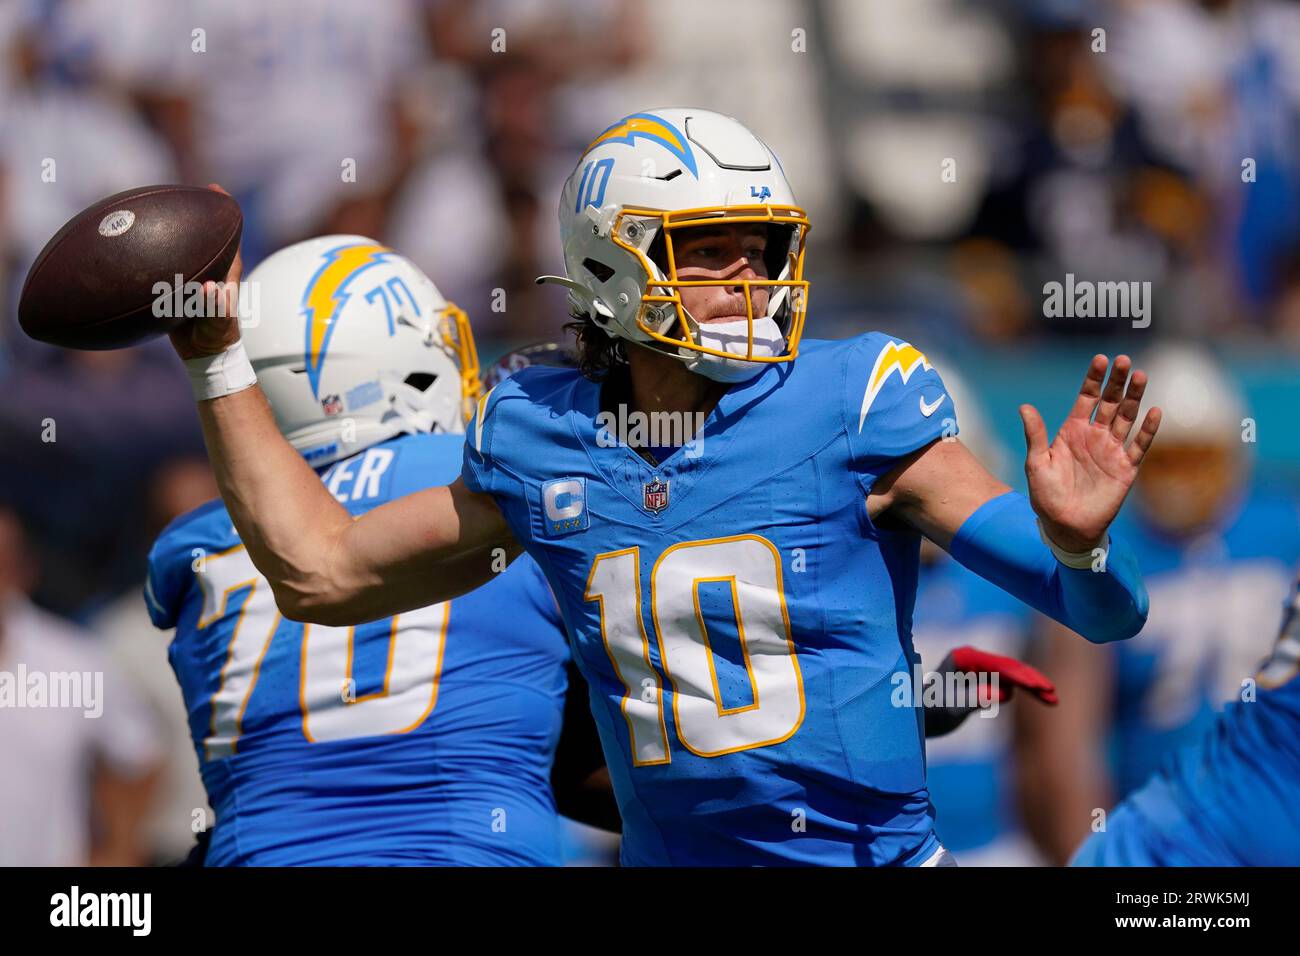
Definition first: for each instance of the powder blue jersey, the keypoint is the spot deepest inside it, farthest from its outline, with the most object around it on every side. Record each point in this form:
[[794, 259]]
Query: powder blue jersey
[[737, 615], [1213, 607], [425, 739], [1230, 798], [970, 771]]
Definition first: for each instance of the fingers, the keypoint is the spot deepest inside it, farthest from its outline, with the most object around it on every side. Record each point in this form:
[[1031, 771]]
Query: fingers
[[1014, 673], [1113, 394], [1036, 683], [221, 298], [236, 271], [1128, 409], [237, 267], [1035, 431], [230, 288], [1090, 390], [212, 301], [1044, 691], [1009, 672], [1117, 404], [1146, 434]]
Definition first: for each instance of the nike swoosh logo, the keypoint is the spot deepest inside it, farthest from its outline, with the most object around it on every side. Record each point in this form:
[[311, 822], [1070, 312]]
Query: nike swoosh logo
[[928, 410]]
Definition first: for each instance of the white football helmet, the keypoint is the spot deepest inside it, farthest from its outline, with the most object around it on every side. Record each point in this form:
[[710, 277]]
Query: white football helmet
[[1200, 405], [353, 344], [1197, 467], [653, 174]]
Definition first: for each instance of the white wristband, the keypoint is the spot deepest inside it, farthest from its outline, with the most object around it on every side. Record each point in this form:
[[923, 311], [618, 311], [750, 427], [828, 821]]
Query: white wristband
[[1083, 560], [225, 373]]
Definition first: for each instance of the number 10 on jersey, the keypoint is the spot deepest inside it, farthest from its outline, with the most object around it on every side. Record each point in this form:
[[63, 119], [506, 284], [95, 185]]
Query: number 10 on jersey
[[751, 566]]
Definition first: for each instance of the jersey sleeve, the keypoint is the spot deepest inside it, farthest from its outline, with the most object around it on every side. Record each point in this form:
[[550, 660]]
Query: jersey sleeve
[[499, 439], [497, 445], [169, 575], [894, 403], [478, 470], [166, 580]]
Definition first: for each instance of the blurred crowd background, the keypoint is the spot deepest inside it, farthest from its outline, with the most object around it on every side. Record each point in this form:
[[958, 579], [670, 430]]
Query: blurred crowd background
[[461, 119]]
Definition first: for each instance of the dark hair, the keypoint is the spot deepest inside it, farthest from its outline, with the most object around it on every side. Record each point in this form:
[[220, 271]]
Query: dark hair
[[599, 353]]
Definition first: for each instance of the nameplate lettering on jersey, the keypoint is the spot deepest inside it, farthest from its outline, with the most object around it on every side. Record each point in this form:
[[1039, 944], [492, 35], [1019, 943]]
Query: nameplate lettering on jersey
[[360, 477], [564, 506]]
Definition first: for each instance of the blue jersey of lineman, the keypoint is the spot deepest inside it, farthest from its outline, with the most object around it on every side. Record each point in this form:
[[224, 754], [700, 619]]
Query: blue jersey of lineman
[[1230, 799], [736, 614], [969, 771], [1213, 605], [424, 739]]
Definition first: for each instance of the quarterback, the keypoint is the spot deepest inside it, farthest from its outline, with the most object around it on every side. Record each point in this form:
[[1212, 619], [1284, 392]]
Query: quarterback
[[739, 604]]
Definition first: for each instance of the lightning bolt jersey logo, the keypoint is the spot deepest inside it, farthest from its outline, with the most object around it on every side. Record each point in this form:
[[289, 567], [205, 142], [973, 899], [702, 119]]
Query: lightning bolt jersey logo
[[325, 296], [897, 357]]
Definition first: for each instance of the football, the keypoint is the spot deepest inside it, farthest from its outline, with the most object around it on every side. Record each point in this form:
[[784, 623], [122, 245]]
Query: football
[[108, 278]]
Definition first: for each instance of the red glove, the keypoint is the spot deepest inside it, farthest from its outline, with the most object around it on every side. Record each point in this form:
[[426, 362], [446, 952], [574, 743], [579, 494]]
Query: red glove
[[943, 719], [1011, 673]]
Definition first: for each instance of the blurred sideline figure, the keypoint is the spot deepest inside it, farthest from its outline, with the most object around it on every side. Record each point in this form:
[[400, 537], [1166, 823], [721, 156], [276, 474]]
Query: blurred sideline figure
[[67, 139], [78, 752], [475, 204], [427, 738], [179, 807], [301, 106], [1215, 550]]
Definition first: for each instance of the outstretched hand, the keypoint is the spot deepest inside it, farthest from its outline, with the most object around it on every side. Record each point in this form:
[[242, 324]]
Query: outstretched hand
[[1078, 482]]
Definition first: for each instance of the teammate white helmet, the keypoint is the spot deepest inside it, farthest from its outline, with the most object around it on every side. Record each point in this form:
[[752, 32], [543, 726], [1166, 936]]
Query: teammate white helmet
[[653, 174], [1199, 404], [1198, 463], [353, 344]]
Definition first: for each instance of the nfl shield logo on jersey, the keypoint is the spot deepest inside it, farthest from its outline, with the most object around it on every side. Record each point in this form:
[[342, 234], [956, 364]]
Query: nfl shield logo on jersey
[[656, 496]]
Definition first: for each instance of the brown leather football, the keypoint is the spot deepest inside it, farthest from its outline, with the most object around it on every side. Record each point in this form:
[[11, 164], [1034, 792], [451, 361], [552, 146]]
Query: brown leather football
[[99, 283]]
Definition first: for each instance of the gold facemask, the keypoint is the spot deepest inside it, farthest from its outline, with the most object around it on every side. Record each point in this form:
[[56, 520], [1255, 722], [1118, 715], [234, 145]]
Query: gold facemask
[[629, 228], [457, 337]]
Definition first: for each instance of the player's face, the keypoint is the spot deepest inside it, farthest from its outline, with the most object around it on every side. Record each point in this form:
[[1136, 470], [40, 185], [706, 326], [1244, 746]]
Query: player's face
[[730, 253], [1183, 487]]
